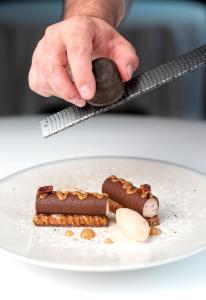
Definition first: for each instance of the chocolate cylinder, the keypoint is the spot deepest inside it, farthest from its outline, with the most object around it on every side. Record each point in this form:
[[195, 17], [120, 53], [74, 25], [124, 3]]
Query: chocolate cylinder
[[71, 203], [127, 195], [114, 206]]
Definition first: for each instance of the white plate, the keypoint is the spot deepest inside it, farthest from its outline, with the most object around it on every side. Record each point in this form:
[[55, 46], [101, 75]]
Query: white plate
[[182, 195]]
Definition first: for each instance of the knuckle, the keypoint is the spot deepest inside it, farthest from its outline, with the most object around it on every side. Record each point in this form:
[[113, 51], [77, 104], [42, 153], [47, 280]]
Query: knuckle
[[32, 82], [68, 94], [80, 21], [134, 59], [37, 51], [32, 85], [130, 48], [39, 87], [46, 70], [40, 43], [77, 50], [44, 93], [133, 51], [49, 30], [65, 94], [52, 32]]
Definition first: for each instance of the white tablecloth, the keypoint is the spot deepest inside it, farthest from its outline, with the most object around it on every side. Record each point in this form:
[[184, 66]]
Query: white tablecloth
[[22, 146]]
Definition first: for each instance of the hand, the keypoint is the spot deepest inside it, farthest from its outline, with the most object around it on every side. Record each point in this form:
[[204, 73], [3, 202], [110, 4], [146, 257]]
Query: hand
[[62, 61]]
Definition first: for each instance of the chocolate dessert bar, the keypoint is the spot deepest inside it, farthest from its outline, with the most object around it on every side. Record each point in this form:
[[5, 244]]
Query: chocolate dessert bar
[[70, 208], [122, 193]]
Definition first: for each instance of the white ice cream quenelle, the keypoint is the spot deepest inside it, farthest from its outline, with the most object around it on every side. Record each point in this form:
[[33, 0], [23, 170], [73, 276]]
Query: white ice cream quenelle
[[132, 224]]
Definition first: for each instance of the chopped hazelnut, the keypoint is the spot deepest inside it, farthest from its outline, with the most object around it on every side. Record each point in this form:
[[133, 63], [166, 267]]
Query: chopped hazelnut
[[42, 196], [108, 241], [155, 231], [87, 234], [69, 233], [61, 196]]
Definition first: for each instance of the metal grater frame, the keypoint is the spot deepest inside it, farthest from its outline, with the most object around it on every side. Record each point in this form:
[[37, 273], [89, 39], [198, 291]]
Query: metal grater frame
[[137, 86]]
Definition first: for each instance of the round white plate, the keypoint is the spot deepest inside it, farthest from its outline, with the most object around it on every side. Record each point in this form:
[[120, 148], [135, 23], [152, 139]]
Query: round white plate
[[182, 195]]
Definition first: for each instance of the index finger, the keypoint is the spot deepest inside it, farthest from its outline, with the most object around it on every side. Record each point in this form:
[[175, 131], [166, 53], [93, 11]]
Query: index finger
[[79, 54]]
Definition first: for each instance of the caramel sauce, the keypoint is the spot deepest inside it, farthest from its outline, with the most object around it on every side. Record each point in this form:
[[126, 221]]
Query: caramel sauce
[[62, 196], [126, 185], [81, 195], [42, 196]]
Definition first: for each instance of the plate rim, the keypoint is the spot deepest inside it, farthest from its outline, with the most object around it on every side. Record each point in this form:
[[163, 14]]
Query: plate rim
[[102, 269], [78, 268], [102, 157]]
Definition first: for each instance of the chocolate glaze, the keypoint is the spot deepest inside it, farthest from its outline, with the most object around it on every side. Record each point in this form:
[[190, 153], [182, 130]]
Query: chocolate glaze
[[72, 203]]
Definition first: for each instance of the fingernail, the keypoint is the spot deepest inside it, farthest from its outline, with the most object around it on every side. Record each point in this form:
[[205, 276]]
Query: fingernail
[[81, 103], [77, 101], [85, 91], [129, 71]]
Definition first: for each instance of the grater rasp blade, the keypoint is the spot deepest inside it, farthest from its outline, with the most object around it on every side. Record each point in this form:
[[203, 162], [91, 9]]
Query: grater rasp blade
[[137, 86]]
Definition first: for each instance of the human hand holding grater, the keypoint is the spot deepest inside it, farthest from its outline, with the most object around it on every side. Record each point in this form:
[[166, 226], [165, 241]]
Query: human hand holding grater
[[85, 61]]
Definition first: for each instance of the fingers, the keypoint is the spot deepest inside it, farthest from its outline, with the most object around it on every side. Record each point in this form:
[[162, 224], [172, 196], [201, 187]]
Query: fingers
[[42, 89], [79, 53], [125, 57], [63, 87], [48, 74], [71, 44]]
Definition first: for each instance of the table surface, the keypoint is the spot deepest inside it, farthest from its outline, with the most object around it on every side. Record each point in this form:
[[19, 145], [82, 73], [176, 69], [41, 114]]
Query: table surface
[[22, 146]]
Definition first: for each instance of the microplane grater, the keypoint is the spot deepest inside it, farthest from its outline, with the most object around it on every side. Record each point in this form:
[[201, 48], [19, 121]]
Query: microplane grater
[[137, 86]]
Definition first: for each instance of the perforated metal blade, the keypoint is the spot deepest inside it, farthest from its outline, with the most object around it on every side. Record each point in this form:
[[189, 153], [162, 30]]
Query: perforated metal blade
[[134, 88]]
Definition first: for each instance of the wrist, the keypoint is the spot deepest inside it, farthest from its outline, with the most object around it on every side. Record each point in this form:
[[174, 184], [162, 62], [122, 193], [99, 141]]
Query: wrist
[[111, 11]]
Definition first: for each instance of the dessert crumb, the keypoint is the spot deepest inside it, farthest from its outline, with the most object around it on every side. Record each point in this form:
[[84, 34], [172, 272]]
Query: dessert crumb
[[155, 231], [69, 233], [108, 241], [87, 234]]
